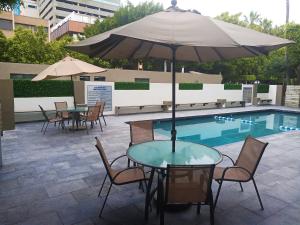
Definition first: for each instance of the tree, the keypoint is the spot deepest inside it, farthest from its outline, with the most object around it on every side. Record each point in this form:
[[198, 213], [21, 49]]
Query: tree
[[126, 14], [3, 47], [6, 5]]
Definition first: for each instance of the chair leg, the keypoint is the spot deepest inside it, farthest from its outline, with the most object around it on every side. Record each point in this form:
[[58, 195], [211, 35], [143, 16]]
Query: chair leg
[[212, 211], [105, 200], [86, 127], [260, 202], [46, 128], [217, 196], [100, 125], [241, 187], [43, 126], [198, 208], [102, 185], [104, 120]]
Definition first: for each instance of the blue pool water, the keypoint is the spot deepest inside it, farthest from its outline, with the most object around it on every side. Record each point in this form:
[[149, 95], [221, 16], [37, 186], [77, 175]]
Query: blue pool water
[[224, 129]]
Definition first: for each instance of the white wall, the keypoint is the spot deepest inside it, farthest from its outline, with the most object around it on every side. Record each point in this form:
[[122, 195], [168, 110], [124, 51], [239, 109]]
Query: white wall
[[160, 92], [271, 95], [31, 104]]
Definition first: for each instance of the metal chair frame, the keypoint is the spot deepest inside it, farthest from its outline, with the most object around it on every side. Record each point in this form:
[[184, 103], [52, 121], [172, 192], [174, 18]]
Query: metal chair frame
[[251, 174]]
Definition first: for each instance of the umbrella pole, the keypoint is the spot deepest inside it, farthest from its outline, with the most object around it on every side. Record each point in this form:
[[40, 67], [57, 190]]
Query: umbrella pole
[[73, 90], [173, 132]]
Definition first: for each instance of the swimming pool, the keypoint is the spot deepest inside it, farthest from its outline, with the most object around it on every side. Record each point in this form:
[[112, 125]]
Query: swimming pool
[[223, 129]]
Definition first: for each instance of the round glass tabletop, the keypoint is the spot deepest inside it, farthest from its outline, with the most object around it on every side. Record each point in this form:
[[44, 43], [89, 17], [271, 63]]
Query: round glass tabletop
[[159, 153]]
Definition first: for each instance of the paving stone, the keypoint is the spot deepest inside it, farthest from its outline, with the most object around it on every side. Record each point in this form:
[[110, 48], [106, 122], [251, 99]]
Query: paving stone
[[66, 187], [48, 218], [55, 179]]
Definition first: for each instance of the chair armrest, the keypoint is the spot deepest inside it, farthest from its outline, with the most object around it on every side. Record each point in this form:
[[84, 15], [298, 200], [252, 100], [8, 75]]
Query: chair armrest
[[129, 168], [117, 159], [227, 156], [234, 167]]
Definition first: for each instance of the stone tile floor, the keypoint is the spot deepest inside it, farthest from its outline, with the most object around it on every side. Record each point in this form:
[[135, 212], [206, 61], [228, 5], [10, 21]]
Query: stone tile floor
[[54, 179]]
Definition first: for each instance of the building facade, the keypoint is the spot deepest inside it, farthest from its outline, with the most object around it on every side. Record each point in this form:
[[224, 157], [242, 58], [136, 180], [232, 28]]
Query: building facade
[[29, 71], [9, 22], [57, 10]]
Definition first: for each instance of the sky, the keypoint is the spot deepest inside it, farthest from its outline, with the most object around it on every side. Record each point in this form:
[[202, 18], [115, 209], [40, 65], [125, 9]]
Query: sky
[[271, 9]]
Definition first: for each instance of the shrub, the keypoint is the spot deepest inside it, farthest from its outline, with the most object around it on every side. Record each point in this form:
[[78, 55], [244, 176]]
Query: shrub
[[190, 86], [263, 88], [47, 88], [229, 86], [131, 86]]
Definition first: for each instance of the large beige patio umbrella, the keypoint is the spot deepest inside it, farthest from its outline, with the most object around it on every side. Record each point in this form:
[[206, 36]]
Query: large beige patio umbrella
[[177, 34], [68, 67]]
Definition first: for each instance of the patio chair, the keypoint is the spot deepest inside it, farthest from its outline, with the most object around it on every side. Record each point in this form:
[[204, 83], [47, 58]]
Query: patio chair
[[101, 105], [118, 176], [187, 185], [50, 120], [91, 116], [59, 107], [243, 168], [140, 131]]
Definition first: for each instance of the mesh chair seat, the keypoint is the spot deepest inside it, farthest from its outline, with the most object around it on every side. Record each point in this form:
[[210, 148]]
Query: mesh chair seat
[[232, 174], [128, 176], [53, 120]]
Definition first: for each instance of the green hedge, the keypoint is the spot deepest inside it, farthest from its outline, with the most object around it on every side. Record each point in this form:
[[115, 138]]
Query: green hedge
[[131, 86], [47, 88], [229, 86], [263, 88], [190, 86]]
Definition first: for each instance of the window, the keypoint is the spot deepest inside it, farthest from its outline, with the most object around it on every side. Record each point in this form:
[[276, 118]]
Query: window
[[85, 78], [45, 8], [142, 80], [68, 2], [32, 6], [99, 78], [107, 10], [60, 17], [64, 9], [18, 76], [6, 24]]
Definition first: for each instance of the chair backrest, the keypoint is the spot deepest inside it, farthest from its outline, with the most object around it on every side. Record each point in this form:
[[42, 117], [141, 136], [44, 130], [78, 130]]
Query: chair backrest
[[141, 131], [251, 154], [59, 106], [102, 105], [93, 113], [44, 113], [188, 184], [104, 158]]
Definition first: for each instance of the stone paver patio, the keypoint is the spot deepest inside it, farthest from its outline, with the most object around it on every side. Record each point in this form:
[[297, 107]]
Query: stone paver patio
[[55, 179]]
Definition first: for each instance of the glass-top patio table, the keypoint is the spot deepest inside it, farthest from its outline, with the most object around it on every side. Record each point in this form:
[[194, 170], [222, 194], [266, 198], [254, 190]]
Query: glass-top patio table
[[75, 112], [158, 154]]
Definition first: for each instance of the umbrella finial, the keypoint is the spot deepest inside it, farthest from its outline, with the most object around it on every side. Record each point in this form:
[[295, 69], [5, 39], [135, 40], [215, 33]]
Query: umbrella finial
[[174, 3]]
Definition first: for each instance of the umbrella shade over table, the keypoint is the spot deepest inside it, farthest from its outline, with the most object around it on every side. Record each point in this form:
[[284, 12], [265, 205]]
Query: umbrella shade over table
[[68, 67], [177, 34]]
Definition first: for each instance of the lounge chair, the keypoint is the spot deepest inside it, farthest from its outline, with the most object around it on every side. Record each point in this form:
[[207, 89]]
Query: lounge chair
[[186, 185], [120, 176], [243, 169], [48, 120]]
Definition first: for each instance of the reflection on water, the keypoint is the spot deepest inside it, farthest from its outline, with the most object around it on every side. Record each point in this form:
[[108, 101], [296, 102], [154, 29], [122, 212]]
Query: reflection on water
[[214, 131]]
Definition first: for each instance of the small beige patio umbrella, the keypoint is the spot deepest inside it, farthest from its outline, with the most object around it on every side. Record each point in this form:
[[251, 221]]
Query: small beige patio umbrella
[[177, 34], [68, 67]]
